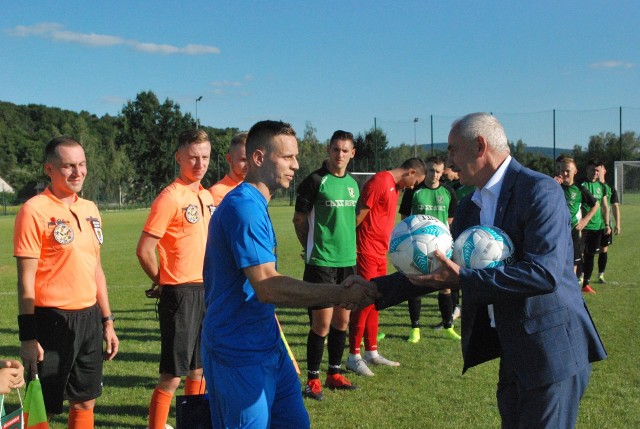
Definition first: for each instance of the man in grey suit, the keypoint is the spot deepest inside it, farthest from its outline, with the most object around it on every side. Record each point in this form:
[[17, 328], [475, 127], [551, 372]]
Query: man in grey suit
[[530, 314]]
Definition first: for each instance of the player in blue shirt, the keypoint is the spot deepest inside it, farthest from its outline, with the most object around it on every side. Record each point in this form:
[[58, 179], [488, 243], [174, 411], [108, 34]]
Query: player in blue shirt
[[251, 379]]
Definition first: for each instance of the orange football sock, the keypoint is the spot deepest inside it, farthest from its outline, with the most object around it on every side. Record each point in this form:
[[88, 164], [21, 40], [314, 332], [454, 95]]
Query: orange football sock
[[194, 387], [159, 408], [80, 419]]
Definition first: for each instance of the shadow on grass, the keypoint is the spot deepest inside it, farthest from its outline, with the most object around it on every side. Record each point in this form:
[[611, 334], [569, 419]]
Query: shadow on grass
[[139, 412], [129, 381], [10, 352], [138, 357]]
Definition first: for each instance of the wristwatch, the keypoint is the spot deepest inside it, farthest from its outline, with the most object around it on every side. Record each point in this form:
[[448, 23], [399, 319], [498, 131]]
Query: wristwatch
[[109, 317]]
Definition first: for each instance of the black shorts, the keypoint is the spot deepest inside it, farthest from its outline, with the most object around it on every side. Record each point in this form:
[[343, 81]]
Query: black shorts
[[591, 241], [577, 246], [606, 240], [334, 275], [180, 310], [72, 365]]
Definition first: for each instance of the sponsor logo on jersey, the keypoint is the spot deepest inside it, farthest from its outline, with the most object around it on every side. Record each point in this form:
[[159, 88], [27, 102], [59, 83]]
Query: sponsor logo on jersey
[[340, 203], [63, 233], [191, 213]]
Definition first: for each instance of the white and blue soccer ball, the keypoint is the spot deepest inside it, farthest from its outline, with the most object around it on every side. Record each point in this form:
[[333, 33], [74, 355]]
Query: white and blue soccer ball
[[483, 246], [414, 241]]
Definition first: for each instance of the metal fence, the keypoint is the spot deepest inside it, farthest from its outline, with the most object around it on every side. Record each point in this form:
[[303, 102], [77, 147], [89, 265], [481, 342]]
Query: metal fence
[[555, 129]]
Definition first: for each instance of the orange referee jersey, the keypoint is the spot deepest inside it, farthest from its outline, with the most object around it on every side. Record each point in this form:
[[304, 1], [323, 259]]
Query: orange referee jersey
[[180, 218], [222, 188], [66, 241]]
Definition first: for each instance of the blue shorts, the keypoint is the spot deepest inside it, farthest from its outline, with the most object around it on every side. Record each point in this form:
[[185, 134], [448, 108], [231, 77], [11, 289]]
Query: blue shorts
[[266, 395]]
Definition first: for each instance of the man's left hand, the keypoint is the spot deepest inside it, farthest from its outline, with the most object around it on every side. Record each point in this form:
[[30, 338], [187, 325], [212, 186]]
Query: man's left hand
[[447, 276], [111, 340]]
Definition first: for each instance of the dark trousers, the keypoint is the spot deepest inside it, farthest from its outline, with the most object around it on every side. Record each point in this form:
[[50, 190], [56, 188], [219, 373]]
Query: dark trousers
[[554, 406]]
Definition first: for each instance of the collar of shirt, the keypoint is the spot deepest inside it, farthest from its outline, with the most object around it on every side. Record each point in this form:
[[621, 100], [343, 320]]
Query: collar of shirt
[[487, 197]]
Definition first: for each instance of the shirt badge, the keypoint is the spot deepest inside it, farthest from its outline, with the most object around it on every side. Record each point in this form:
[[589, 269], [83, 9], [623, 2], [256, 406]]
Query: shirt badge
[[351, 191], [95, 223], [191, 213], [63, 233]]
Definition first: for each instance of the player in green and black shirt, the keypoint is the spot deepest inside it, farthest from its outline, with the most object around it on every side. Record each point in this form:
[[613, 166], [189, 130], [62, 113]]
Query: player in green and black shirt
[[440, 201], [325, 223], [607, 239], [598, 225], [577, 197], [450, 177]]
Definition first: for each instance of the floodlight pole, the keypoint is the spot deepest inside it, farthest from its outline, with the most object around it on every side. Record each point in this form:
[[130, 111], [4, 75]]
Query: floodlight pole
[[415, 141], [197, 122]]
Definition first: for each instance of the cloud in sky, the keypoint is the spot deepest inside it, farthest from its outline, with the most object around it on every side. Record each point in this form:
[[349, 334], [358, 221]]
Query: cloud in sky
[[57, 32], [612, 65]]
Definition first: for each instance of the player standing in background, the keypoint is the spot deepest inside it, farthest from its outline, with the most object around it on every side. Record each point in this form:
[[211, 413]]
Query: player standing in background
[[438, 200], [252, 380], [325, 223], [599, 224], [607, 239], [375, 220], [177, 226], [450, 178], [63, 304], [237, 159], [577, 197]]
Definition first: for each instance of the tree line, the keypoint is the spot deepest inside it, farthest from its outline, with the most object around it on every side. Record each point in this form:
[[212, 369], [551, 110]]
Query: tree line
[[131, 156]]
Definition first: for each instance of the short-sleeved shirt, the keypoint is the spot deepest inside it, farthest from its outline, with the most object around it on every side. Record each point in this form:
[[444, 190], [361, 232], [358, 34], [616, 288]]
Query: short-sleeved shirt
[[66, 241], [578, 197], [238, 329], [380, 195], [599, 192], [440, 202], [221, 188], [330, 202], [180, 218]]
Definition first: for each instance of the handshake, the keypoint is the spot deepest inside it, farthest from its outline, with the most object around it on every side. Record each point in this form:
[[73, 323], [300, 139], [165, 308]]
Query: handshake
[[384, 292]]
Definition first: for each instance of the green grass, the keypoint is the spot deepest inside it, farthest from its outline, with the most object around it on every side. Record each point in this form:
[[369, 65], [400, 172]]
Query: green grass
[[427, 390]]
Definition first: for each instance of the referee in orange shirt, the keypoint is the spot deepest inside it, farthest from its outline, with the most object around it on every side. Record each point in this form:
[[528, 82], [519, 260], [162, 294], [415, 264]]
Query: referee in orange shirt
[[63, 304], [177, 226]]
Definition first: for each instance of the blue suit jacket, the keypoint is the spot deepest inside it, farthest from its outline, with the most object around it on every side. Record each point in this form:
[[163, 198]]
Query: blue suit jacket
[[544, 331]]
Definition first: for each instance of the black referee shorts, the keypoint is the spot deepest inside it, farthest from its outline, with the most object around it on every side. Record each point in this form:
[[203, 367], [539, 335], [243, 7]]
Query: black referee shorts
[[72, 365], [180, 311]]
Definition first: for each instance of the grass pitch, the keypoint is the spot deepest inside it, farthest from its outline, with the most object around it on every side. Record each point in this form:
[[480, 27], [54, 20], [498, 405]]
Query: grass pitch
[[426, 391]]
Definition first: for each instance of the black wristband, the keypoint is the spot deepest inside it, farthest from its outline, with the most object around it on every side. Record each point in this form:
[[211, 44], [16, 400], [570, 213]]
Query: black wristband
[[27, 327], [107, 318]]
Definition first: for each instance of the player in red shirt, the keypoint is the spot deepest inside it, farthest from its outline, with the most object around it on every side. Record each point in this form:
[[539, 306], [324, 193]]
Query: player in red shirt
[[375, 220]]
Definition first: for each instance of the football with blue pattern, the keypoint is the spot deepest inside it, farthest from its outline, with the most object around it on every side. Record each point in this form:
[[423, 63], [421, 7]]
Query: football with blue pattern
[[483, 246], [414, 241]]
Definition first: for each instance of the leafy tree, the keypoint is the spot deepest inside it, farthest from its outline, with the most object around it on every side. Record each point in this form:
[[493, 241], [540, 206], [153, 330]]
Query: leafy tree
[[148, 131], [371, 151]]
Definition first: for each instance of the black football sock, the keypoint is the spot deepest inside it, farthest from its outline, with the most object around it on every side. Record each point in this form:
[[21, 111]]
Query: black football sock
[[446, 310], [335, 344], [588, 267], [415, 306], [602, 262], [315, 348]]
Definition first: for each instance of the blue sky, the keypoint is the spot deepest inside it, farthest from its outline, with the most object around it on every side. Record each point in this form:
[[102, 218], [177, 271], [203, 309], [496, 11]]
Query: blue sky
[[337, 64]]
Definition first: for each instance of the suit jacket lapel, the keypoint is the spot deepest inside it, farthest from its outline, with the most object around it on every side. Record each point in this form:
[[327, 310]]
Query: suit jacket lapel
[[505, 192]]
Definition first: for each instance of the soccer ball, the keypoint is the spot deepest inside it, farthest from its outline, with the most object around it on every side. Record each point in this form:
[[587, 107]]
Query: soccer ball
[[413, 242], [483, 246]]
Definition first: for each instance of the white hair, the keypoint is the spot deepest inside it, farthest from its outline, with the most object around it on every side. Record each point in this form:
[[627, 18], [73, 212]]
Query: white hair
[[473, 125]]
